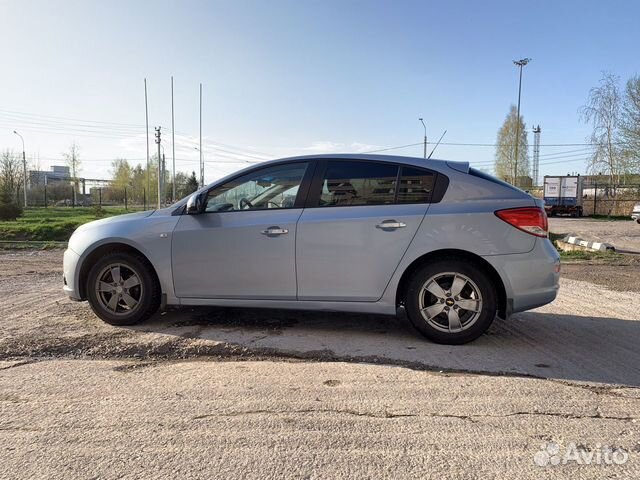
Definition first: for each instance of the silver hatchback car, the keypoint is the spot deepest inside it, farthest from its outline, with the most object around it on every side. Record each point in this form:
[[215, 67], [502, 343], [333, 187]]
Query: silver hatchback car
[[359, 233]]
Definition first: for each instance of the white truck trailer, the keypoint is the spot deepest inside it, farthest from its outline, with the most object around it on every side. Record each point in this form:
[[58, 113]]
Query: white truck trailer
[[563, 195]]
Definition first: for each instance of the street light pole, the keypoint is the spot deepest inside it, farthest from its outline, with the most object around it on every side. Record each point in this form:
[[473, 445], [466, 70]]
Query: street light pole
[[425, 137], [24, 168], [201, 159], [519, 63]]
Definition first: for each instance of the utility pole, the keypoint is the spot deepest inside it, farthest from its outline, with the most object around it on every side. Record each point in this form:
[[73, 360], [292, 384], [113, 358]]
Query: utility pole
[[173, 148], [519, 63], [164, 180], [536, 154], [24, 168], [146, 111], [425, 137], [201, 159], [159, 166]]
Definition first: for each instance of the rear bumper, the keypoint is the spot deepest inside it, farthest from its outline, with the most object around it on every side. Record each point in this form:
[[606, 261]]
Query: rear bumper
[[70, 274], [530, 279]]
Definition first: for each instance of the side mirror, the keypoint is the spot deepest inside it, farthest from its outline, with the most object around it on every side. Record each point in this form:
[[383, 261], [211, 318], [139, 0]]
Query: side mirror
[[194, 205]]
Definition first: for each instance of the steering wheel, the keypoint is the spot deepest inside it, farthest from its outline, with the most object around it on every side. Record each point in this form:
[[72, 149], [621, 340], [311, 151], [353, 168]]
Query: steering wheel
[[271, 202], [245, 203]]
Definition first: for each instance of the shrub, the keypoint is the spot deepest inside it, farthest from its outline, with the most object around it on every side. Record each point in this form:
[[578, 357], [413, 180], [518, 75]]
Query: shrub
[[98, 211], [9, 209]]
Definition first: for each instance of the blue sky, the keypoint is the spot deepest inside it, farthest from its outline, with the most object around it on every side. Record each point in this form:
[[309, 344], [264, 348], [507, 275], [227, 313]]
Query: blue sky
[[294, 77]]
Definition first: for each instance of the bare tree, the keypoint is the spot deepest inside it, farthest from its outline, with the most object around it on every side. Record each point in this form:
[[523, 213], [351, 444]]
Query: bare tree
[[603, 111], [72, 157], [11, 173], [630, 124], [505, 151]]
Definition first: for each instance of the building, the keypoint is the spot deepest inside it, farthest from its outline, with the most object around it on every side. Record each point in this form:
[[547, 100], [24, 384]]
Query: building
[[58, 173]]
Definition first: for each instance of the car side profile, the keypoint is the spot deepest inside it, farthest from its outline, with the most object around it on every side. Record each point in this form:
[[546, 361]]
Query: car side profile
[[355, 233]]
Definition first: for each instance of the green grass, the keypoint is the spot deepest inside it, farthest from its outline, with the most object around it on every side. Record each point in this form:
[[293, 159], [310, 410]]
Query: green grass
[[52, 224], [605, 257]]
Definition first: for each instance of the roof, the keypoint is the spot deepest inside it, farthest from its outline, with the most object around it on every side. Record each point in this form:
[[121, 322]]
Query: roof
[[433, 163]]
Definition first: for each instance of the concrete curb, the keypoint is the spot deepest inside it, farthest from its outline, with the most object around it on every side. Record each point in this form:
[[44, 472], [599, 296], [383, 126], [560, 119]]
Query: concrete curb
[[597, 246]]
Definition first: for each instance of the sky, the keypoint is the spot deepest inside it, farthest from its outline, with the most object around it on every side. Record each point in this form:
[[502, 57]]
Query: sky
[[284, 78]]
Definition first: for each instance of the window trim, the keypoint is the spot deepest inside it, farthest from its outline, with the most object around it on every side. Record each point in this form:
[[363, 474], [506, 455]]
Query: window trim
[[301, 196], [440, 184]]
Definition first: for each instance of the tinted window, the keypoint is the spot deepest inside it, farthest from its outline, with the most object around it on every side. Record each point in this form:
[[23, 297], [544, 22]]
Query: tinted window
[[416, 185], [273, 187], [358, 183]]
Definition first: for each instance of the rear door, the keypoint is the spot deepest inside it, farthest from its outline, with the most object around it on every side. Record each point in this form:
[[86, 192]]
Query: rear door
[[359, 220]]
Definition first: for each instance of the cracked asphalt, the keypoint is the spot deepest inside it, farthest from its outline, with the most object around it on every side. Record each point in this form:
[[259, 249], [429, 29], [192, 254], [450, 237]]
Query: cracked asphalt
[[230, 393]]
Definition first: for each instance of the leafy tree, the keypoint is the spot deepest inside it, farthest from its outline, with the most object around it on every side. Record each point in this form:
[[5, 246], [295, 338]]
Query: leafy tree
[[122, 173], [505, 163]]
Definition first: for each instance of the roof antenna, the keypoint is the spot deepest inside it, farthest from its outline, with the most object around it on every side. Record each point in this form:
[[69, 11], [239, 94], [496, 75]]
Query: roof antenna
[[434, 148]]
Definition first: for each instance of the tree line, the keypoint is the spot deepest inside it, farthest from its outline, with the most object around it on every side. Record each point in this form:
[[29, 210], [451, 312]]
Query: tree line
[[141, 186]]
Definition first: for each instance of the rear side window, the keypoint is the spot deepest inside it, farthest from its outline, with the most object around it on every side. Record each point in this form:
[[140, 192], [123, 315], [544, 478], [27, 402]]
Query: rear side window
[[416, 185], [358, 183]]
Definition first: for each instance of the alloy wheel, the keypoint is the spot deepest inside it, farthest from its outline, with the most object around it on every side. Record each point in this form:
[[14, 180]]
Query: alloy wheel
[[119, 289], [450, 302]]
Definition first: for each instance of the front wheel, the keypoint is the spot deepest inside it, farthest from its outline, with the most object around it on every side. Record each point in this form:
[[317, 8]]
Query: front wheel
[[122, 289], [451, 301]]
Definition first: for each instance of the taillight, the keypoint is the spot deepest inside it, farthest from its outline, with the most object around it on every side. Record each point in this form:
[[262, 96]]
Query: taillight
[[532, 220]]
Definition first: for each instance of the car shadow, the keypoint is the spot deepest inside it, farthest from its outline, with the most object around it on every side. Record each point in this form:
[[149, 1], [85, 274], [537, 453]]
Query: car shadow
[[540, 344]]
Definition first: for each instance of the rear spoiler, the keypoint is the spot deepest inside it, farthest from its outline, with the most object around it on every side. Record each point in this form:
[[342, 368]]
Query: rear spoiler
[[459, 166]]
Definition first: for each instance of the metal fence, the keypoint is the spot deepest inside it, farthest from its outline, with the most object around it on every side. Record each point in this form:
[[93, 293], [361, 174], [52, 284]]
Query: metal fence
[[616, 200], [63, 194]]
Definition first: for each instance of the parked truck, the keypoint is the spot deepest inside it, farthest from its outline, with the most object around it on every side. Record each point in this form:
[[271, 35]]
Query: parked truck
[[563, 195]]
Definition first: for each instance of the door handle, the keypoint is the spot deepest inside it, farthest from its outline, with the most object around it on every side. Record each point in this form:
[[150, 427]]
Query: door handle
[[274, 231], [391, 225]]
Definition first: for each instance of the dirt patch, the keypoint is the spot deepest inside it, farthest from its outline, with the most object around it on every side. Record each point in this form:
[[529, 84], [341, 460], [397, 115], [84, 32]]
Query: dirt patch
[[622, 278], [623, 234]]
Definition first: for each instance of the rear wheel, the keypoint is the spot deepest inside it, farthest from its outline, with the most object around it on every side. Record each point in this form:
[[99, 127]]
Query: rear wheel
[[451, 301], [122, 289]]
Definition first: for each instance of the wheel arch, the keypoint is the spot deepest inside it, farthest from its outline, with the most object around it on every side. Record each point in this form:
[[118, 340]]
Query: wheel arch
[[101, 250], [458, 254]]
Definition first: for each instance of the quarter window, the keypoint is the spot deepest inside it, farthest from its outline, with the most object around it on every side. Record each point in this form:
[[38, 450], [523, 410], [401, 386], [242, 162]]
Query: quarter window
[[267, 188], [358, 183], [416, 185]]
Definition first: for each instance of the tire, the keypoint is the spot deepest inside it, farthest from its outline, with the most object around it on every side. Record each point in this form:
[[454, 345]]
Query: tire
[[440, 326], [133, 281]]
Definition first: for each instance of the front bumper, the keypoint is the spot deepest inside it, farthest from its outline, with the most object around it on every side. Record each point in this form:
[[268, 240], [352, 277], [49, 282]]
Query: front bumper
[[70, 273]]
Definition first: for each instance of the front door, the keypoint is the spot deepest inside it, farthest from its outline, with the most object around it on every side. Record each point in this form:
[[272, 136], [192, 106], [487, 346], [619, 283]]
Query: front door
[[243, 245]]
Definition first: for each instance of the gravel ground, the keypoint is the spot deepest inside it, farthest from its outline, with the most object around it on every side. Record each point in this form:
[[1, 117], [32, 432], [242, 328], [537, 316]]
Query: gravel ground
[[623, 234], [193, 419], [207, 392]]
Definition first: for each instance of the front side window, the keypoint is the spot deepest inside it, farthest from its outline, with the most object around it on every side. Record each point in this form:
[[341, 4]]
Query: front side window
[[267, 188], [358, 183]]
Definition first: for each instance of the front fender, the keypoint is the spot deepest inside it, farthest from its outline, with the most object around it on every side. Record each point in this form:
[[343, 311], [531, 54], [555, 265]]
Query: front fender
[[151, 236]]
